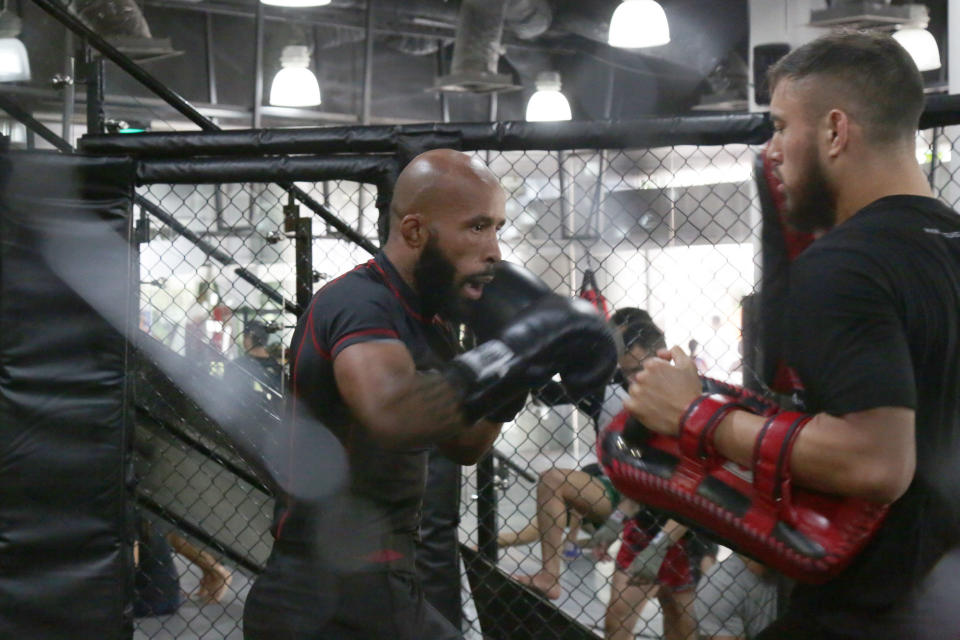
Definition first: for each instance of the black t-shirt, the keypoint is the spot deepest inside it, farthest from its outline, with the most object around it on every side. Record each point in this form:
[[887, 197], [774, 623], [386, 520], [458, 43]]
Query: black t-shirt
[[386, 487], [874, 316]]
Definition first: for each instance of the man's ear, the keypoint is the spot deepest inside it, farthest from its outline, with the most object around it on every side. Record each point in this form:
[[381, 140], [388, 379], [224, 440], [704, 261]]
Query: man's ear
[[837, 132], [414, 230]]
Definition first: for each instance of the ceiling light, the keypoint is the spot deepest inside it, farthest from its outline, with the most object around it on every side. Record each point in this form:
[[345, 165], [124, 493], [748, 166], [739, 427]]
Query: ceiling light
[[14, 64], [638, 23], [921, 46], [295, 85], [548, 104], [296, 3]]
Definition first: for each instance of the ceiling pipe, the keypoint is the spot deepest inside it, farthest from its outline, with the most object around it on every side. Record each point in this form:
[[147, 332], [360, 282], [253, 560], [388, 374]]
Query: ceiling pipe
[[528, 19], [112, 18], [476, 50], [121, 22]]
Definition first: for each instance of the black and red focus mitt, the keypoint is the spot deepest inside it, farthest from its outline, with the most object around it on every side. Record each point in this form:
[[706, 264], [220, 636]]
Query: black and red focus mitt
[[807, 535]]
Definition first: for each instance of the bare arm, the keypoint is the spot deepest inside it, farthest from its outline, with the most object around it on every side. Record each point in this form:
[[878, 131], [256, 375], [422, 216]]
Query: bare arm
[[398, 406], [868, 454], [468, 447]]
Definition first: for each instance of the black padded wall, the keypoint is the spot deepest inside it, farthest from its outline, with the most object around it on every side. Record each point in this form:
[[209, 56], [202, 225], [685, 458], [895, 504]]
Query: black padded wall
[[65, 565]]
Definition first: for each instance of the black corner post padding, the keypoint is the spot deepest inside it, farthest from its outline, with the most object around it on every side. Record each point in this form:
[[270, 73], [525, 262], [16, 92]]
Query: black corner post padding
[[67, 294]]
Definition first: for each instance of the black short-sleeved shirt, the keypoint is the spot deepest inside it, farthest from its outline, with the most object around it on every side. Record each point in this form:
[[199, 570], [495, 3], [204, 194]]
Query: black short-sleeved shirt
[[371, 302], [874, 317]]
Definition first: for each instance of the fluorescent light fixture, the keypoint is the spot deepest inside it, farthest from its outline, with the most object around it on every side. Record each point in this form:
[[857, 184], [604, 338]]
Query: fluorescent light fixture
[[295, 3], [921, 46], [295, 85], [637, 24], [548, 104]]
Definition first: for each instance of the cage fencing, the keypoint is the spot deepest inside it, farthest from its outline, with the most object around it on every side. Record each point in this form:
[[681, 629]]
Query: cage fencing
[[671, 229]]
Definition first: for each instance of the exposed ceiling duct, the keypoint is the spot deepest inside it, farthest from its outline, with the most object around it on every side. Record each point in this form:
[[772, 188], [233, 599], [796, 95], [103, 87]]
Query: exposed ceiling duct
[[728, 86], [476, 50], [858, 14], [528, 19], [122, 23]]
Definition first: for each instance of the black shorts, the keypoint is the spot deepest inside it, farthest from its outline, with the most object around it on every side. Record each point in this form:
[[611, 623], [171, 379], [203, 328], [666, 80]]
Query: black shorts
[[293, 600]]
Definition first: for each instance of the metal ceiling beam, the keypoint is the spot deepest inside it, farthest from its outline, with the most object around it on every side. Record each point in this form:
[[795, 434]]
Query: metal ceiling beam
[[175, 100], [158, 108], [355, 20]]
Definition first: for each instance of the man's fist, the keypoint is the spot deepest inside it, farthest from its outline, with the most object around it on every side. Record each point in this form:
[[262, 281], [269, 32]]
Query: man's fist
[[553, 335], [661, 393]]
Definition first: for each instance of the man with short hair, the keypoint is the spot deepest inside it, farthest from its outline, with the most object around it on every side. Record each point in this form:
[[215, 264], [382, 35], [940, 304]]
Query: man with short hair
[[376, 361], [256, 369], [874, 317]]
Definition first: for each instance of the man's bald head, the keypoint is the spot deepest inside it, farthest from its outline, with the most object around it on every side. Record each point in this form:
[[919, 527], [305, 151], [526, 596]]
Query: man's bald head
[[437, 177], [446, 212]]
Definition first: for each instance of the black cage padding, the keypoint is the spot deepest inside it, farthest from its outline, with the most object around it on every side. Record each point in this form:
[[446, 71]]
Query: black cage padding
[[508, 610], [371, 169], [741, 128], [65, 422], [469, 136]]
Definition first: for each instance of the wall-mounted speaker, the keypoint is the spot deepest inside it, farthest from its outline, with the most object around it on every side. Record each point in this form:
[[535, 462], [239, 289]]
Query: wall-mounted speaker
[[764, 56]]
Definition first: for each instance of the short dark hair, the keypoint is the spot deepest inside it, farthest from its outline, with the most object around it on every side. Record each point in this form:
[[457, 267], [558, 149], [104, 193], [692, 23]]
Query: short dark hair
[[257, 332], [881, 78], [638, 329]]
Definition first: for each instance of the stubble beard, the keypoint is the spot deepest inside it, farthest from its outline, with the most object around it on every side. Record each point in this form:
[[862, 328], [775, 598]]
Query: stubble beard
[[811, 206]]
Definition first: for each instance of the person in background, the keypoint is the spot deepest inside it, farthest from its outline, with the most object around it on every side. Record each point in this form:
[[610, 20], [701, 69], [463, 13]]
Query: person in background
[[156, 582], [736, 599], [255, 368]]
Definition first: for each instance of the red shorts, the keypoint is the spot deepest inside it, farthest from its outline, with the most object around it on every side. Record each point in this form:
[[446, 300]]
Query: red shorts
[[679, 570]]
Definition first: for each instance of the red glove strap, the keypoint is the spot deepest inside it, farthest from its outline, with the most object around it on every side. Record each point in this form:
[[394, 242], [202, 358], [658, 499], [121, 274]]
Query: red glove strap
[[700, 421], [771, 454]]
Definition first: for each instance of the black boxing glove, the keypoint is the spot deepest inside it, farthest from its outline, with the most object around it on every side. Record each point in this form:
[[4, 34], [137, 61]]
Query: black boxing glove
[[553, 335], [513, 289], [509, 410]]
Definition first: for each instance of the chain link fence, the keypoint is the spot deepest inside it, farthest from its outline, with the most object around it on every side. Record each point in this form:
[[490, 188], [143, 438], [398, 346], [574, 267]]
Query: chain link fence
[[673, 231], [210, 510]]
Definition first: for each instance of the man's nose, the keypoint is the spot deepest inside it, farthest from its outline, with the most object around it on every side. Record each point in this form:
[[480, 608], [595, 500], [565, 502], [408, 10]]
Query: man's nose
[[774, 153], [493, 250]]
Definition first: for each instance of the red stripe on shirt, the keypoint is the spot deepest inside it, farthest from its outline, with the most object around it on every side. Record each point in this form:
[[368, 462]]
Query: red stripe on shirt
[[387, 333], [395, 291]]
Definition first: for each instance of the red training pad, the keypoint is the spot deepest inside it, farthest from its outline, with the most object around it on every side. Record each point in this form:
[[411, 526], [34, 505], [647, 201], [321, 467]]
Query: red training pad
[[807, 535]]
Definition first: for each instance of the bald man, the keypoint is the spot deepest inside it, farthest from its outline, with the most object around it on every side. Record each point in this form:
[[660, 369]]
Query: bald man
[[376, 360]]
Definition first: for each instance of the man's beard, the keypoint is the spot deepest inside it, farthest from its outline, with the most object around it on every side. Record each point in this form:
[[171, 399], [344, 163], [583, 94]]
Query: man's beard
[[435, 278], [812, 205]]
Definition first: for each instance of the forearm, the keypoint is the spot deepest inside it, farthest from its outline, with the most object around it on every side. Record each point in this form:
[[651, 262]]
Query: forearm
[[469, 446], [423, 410], [832, 454]]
